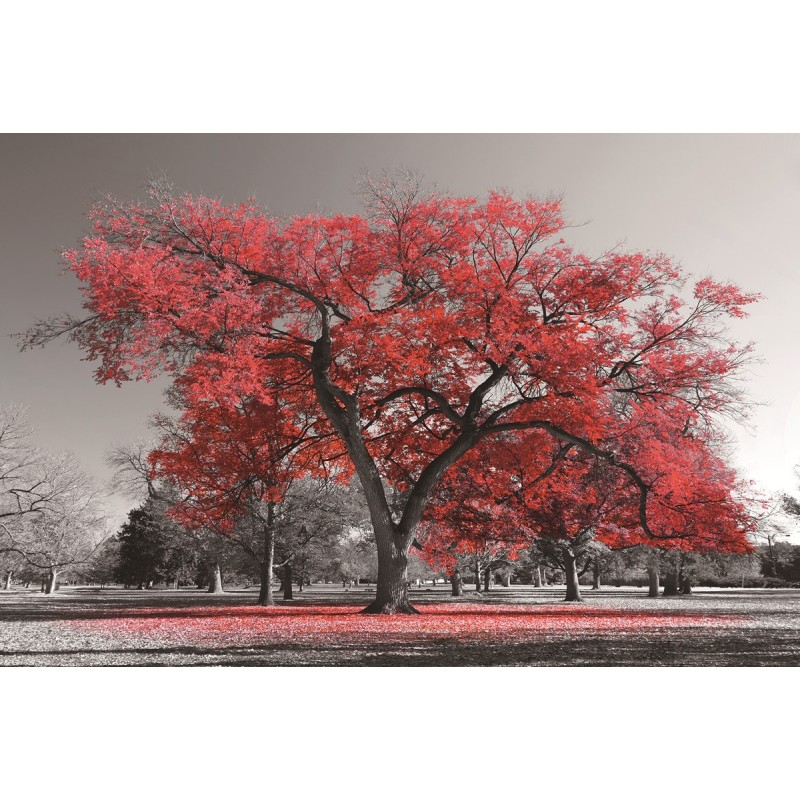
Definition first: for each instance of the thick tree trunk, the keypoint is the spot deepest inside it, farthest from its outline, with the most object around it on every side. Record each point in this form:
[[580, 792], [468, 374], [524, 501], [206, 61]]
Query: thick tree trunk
[[9, 575], [287, 581], [52, 578], [596, 575], [671, 584], [215, 584], [507, 579], [573, 587], [391, 595], [686, 585], [456, 584], [537, 578], [652, 576], [487, 579], [265, 597]]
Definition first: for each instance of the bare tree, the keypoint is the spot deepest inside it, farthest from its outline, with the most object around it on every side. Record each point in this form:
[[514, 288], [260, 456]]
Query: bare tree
[[66, 529], [25, 483]]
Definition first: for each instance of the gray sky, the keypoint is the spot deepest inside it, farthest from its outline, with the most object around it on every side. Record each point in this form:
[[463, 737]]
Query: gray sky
[[724, 205]]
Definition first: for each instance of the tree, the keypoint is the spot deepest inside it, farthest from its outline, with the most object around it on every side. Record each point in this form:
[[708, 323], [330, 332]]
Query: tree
[[64, 525], [143, 549], [416, 332], [103, 565], [12, 562], [32, 481]]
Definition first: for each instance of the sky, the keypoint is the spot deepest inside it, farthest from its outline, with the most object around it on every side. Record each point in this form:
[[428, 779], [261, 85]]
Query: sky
[[720, 204]]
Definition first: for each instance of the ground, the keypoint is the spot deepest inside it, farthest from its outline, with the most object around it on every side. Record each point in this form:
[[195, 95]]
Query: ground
[[517, 626]]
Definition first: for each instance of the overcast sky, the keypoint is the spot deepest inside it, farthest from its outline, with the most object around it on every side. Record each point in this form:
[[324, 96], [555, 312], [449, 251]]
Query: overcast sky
[[724, 205]]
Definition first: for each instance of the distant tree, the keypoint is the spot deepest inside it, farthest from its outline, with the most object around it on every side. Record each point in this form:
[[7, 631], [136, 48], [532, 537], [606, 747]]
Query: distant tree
[[354, 557], [103, 566], [65, 530], [10, 565]]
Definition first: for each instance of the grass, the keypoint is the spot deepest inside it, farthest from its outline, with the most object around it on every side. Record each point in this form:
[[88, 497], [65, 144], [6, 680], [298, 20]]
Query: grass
[[508, 626]]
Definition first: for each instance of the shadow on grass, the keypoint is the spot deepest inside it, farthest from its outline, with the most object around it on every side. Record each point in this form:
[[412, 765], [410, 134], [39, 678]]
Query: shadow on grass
[[734, 648]]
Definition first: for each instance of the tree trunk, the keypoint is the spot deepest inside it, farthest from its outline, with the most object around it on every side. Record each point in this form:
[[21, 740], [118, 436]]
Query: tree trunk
[[52, 578], [537, 577], [686, 585], [287, 581], [671, 584], [487, 579], [477, 578], [215, 584], [9, 575], [391, 595], [507, 580], [652, 576], [265, 597], [456, 584], [595, 575], [300, 582], [573, 587]]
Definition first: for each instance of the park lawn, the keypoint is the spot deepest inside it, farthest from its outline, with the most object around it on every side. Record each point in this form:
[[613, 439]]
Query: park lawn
[[515, 627]]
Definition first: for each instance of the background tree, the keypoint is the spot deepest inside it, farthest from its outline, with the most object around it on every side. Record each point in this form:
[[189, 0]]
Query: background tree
[[103, 566], [64, 525]]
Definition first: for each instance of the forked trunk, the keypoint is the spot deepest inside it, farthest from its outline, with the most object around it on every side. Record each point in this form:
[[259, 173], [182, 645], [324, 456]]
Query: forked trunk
[[596, 575], [265, 597], [671, 584], [652, 577], [287, 581], [456, 584], [50, 586], [573, 587], [215, 584]]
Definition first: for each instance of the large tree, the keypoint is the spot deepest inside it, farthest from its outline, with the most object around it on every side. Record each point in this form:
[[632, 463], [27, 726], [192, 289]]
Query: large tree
[[422, 328]]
